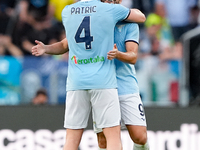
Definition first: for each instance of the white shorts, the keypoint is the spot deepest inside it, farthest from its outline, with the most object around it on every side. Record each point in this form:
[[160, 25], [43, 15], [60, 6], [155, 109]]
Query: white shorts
[[104, 103], [132, 111]]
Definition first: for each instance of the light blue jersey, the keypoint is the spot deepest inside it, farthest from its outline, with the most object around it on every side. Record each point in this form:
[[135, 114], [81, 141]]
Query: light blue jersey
[[89, 27], [126, 75]]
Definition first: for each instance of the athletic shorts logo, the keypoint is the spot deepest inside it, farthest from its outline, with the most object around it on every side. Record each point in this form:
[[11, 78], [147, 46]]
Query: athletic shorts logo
[[88, 60]]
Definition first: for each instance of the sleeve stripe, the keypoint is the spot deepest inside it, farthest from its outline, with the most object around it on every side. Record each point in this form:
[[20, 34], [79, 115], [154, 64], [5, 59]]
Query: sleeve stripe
[[132, 41], [127, 15]]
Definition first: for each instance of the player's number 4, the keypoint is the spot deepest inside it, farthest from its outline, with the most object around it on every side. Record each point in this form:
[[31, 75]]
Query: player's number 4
[[87, 39]]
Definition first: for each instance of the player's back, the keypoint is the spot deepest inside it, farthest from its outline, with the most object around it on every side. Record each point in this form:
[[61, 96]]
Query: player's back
[[126, 75], [89, 29]]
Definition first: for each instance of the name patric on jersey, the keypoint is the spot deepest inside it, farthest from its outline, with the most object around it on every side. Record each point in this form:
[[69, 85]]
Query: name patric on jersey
[[83, 10]]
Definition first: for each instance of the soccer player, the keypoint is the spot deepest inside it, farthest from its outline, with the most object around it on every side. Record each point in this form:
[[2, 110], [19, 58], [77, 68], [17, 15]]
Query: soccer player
[[91, 81], [132, 113]]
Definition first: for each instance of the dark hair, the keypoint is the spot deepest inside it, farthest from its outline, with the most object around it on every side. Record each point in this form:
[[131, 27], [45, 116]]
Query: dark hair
[[41, 91]]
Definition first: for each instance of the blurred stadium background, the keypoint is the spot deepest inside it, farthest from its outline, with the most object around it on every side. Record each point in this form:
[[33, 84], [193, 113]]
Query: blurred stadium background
[[32, 89]]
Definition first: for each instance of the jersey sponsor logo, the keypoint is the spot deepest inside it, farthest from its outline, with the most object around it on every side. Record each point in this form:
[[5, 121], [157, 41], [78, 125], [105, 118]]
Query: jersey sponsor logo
[[87, 60], [74, 59]]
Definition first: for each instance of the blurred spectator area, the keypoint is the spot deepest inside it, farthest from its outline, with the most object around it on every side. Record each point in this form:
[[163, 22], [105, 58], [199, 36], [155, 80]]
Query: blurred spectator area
[[10, 70], [20, 79], [167, 66]]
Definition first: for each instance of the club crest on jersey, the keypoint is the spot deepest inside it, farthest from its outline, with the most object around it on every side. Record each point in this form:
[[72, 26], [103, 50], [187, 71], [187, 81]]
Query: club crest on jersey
[[119, 27], [88, 60]]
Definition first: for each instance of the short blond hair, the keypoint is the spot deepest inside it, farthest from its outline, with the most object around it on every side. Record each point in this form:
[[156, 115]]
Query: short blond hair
[[116, 1]]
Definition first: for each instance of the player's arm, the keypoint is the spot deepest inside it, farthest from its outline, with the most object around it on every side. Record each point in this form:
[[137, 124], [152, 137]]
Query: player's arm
[[53, 49], [136, 16], [130, 56], [131, 45]]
